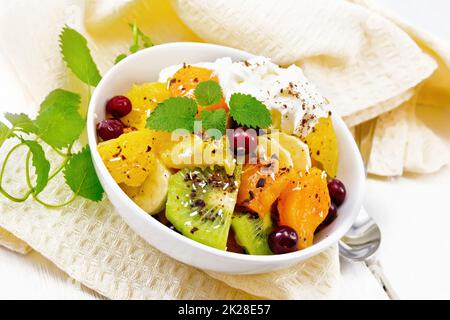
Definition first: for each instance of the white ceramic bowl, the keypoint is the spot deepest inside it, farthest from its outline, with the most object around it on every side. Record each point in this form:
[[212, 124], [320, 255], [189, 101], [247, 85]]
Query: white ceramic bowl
[[145, 67]]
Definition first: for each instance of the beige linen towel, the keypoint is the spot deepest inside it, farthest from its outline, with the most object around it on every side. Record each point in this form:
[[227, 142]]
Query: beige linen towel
[[362, 61]]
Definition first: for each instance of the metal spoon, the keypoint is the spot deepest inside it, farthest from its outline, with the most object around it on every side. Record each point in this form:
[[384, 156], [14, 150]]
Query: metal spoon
[[362, 241]]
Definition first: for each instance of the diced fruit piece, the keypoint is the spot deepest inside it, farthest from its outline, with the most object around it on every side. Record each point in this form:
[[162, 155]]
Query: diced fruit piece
[[151, 196], [144, 99], [297, 149], [192, 152], [200, 204], [129, 157], [217, 153], [323, 146], [252, 232], [283, 240], [331, 216], [119, 106], [186, 79], [243, 141], [261, 185], [271, 149], [109, 129], [337, 191], [304, 205], [186, 153]]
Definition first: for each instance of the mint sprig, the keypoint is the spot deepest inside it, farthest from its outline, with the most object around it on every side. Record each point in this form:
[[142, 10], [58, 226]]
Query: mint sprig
[[58, 125], [140, 41], [249, 112], [180, 113]]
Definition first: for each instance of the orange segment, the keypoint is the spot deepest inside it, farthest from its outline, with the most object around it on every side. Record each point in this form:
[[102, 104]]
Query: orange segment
[[144, 99], [304, 205], [261, 185], [323, 146], [186, 79]]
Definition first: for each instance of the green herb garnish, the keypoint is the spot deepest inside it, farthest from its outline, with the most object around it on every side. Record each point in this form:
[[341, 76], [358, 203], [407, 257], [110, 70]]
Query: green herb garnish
[[208, 93], [59, 122], [172, 114], [59, 125], [80, 176], [5, 133], [78, 57], [214, 120], [40, 164], [180, 112], [249, 112], [140, 41], [21, 122]]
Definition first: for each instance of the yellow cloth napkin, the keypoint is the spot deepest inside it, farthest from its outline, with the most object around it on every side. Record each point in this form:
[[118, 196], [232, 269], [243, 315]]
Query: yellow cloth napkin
[[361, 60]]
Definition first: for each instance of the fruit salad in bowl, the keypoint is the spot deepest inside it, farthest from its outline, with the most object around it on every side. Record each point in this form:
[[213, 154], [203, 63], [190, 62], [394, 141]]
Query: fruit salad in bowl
[[233, 158]]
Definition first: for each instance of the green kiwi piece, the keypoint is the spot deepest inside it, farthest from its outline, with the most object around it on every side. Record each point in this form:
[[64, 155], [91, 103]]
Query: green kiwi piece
[[201, 202], [252, 233]]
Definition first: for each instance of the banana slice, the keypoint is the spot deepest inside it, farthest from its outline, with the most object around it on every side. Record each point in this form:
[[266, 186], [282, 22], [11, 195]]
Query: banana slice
[[269, 148], [299, 151], [151, 196], [193, 152]]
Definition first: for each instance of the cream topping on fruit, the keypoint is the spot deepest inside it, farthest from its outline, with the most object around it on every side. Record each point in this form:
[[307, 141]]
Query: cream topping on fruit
[[295, 103]]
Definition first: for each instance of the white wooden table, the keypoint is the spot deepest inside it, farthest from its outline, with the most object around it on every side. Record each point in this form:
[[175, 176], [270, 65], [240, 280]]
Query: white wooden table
[[412, 212]]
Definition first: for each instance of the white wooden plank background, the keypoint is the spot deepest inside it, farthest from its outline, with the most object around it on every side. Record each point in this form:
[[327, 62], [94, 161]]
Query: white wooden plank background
[[412, 212]]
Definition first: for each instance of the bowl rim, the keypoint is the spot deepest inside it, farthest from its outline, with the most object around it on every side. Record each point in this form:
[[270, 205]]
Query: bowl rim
[[304, 254]]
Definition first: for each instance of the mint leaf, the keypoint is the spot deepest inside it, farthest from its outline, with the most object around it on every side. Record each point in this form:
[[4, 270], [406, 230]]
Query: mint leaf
[[208, 93], [214, 120], [65, 99], [40, 164], [59, 122], [78, 57], [5, 133], [21, 121], [80, 176], [172, 114], [247, 111]]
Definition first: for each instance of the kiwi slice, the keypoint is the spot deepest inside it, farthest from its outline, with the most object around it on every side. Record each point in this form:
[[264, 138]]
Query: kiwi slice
[[252, 233], [201, 202]]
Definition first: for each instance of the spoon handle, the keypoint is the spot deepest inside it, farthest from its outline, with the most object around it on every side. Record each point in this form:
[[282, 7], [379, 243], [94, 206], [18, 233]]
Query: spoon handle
[[377, 270]]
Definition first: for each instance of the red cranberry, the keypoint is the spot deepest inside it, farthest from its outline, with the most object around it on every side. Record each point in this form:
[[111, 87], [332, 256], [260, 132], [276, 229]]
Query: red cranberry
[[243, 141], [109, 129], [337, 191], [283, 239], [119, 106]]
